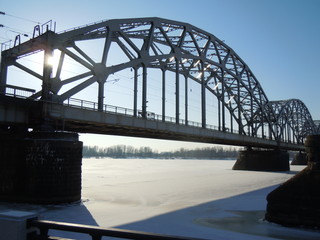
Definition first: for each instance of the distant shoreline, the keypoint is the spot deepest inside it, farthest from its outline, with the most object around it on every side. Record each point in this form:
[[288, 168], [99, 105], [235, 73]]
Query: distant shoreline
[[133, 158], [123, 151]]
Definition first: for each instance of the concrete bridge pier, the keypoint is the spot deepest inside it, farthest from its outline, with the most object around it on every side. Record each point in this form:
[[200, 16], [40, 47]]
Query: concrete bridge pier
[[300, 158], [262, 160], [40, 167], [296, 202]]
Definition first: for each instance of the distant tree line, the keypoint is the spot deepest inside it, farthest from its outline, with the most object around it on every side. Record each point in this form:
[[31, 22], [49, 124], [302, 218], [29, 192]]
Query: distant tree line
[[123, 151]]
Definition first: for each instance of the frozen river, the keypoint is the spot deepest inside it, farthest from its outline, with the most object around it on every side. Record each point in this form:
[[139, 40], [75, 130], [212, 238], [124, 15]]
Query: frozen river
[[195, 198]]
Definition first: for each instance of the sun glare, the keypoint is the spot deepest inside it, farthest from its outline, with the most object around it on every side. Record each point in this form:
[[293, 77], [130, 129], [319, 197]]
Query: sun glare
[[51, 61]]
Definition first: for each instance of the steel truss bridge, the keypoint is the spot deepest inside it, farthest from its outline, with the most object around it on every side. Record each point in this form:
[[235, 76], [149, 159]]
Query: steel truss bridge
[[178, 61]]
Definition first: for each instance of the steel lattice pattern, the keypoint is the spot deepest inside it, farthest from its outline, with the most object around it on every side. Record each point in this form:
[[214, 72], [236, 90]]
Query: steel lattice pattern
[[188, 52]]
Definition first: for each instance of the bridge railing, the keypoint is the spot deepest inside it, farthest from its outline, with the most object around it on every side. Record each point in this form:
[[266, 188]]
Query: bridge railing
[[96, 233], [84, 104], [19, 92]]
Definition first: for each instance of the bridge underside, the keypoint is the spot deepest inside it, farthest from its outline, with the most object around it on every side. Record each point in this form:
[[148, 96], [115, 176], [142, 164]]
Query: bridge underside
[[76, 119]]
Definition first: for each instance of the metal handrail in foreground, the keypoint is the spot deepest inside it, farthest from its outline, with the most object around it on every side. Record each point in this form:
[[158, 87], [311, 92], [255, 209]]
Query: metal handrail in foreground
[[95, 232]]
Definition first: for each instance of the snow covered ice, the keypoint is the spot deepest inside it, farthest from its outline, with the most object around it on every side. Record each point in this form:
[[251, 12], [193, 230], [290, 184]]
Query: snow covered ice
[[194, 198]]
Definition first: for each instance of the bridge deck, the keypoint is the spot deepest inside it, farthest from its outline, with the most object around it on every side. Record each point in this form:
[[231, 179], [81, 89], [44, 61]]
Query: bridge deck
[[82, 119]]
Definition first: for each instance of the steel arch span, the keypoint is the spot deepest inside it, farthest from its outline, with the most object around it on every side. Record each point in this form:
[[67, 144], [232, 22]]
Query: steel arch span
[[293, 121], [172, 55]]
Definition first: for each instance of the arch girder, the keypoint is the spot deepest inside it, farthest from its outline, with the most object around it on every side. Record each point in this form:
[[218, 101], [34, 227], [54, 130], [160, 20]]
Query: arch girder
[[200, 55], [185, 50], [295, 115]]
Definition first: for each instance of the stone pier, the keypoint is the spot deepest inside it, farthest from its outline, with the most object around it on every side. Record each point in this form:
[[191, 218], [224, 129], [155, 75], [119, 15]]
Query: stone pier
[[300, 158], [296, 202], [40, 167], [262, 160]]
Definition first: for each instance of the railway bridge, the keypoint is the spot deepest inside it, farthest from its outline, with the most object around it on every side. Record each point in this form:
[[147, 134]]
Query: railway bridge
[[145, 77]]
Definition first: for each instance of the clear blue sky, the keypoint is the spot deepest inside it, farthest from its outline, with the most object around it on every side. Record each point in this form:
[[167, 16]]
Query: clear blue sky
[[278, 39]]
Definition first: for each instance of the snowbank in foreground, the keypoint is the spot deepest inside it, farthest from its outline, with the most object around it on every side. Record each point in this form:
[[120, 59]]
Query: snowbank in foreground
[[197, 198]]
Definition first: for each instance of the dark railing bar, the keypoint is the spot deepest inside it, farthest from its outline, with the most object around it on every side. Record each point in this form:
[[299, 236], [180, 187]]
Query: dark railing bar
[[19, 88], [97, 232]]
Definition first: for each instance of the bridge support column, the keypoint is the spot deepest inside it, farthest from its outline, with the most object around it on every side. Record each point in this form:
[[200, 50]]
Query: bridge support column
[[262, 160], [300, 159], [40, 167], [296, 202]]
